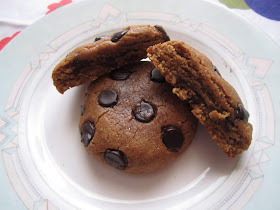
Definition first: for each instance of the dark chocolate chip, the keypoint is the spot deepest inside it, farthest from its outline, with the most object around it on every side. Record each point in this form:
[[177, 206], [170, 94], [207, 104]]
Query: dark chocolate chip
[[87, 132], [163, 32], [194, 100], [156, 76], [241, 113], [108, 98], [115, 158], [216, 70], [143, 112], [229, 122], [83, 109], [101, 37], [172, 137], [118, 35], [77, 65], [119, 74]]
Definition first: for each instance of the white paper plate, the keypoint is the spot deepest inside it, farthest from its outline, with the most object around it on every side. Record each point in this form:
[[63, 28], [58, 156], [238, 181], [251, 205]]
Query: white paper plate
[[45, 166]]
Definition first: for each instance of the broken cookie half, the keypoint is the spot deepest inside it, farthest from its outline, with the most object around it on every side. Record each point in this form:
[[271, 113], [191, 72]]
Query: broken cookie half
[[88, 62], [214, 102]]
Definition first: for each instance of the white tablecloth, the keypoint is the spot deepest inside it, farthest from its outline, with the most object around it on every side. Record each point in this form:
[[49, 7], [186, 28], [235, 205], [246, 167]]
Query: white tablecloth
[[16, 15]]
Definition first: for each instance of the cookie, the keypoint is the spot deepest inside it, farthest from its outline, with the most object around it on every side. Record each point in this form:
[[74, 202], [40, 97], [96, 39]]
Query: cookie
[[214, 101], [130, 120], [88, 62]]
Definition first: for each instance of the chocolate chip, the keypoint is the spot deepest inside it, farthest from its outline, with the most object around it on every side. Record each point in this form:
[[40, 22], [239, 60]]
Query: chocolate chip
[[118, 35], [216, 70], [87, 132], [172, 137], [161, 30], [119, 74], [143, 112], [115, 158], [241, 113], [108, 98], [194, 100], [156, 76], [101, 37], [83, 109], [77, 65]]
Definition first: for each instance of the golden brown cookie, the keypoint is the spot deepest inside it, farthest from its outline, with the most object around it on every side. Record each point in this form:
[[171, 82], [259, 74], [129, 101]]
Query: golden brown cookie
[[131, 120], [214, 101], [88, 62]]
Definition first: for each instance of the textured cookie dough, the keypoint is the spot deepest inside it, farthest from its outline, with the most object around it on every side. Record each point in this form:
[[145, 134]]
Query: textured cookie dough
[[214, 101], [88, 62], [131, 120]]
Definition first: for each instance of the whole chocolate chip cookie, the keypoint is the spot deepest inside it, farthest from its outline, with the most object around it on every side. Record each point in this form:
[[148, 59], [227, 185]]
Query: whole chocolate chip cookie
[[88, 62], [213, 100], [131, 121]]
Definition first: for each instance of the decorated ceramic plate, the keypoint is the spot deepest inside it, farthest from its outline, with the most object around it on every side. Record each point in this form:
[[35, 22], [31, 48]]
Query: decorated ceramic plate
[[45, 166]]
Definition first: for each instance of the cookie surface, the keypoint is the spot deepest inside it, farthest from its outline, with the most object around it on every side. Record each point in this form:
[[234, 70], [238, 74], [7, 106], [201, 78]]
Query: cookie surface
[[88, 62], [214, 101], [131, 120]]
